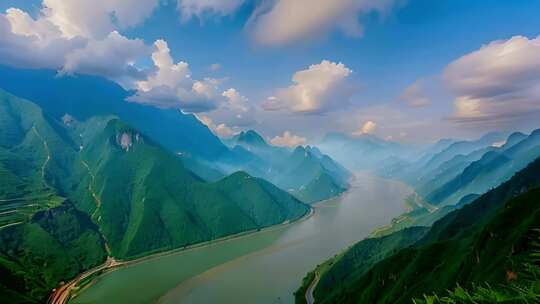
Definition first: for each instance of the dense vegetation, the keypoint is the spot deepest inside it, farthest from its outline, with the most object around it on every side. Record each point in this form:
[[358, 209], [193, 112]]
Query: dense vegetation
[[485, 242], [355, 262], [74, 192]]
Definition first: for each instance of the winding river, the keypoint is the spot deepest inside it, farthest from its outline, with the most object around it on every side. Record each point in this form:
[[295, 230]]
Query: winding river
[[264, 267]]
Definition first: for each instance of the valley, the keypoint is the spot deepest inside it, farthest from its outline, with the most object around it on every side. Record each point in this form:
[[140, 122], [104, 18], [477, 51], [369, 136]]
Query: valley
[[269, 152], [226, 270]]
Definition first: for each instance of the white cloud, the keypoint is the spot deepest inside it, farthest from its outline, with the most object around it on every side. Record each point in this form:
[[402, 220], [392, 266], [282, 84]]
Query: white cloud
[[415, 96], [285, 21], [499, 83], [367, 128], [80, 36], [96, 18], [170, 85], [288, 140], [25, 42], [201, 8], [112, 57], [235, 100], [221, 130], [41, 43], [320, 88]]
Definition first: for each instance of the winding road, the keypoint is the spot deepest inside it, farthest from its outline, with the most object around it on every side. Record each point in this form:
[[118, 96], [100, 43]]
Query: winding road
[[309, 292]]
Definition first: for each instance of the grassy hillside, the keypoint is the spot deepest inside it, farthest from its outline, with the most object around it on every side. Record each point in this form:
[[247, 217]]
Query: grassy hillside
[[485, 242]]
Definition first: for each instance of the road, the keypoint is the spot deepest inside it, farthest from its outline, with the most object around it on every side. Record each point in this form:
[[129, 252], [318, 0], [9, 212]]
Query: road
[[309, 292], [62, 294]]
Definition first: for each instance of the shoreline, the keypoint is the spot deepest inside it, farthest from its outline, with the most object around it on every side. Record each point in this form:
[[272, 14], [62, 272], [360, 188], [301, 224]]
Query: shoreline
[[59, 296]]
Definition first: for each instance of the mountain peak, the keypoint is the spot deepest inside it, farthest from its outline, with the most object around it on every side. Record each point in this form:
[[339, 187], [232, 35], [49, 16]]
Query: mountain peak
[[250, 137]]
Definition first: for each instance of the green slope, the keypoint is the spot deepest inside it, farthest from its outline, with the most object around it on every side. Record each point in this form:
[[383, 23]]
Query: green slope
[[55, 245], [147, 201], [478, 244], [355, 262], [73, 192]]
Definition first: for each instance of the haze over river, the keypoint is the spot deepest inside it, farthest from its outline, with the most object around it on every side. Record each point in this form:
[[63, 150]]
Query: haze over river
[[265, 267]]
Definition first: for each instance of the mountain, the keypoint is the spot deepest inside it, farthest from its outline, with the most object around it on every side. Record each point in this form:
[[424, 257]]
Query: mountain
[[485, 243], [305, 172], [249, 138], [74, 192], [363, 152], [83, 97], [436, 159], [355, 262], [494, 167], [455, 182]]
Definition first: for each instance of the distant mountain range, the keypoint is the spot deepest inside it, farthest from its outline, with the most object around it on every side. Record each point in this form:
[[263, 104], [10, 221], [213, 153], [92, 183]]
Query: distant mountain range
[[304, 171], [74, 192]]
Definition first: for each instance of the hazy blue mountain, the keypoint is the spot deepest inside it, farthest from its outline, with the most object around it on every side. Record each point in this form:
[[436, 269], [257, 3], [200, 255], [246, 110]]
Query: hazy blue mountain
[[86, 96], [493, 168], [304, 171]]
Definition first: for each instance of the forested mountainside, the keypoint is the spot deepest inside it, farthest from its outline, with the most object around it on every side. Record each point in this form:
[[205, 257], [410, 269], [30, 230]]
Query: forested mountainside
[[486, 243], [76, 192]]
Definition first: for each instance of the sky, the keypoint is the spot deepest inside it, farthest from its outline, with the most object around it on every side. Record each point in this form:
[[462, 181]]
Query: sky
[[296, 70]]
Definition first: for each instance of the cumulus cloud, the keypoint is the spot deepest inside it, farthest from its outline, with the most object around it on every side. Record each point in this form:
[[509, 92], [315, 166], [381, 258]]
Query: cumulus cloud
[[201, 8], [25, 42], [318, 89], [235, 100], [44, 42], [113, 57], [367, 128], [499, 83], [170, 85], [80, 36], [288, 140], [415, 96], [96, 18], [221, 130], [285, 21]]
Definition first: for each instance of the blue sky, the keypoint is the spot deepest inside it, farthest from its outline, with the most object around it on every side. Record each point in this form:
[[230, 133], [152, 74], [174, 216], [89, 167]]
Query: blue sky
[[402, 43]]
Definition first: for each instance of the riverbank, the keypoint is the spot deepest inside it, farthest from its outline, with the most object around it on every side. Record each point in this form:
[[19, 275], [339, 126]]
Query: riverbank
[[263, 268], [64, 293]]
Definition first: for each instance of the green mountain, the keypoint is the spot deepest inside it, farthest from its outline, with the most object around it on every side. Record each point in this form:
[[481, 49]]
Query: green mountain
[[73, 193], [304, 172], [485, 242], [355, 262], [142, 185], [85, 96]]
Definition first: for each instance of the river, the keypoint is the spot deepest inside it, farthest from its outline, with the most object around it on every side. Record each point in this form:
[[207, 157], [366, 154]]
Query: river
[[264, 267]]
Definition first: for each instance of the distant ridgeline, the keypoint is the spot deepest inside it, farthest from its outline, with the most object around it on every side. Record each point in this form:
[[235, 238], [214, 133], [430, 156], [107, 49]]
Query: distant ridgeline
[[75, 191], [305, 171], [446, 175]]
